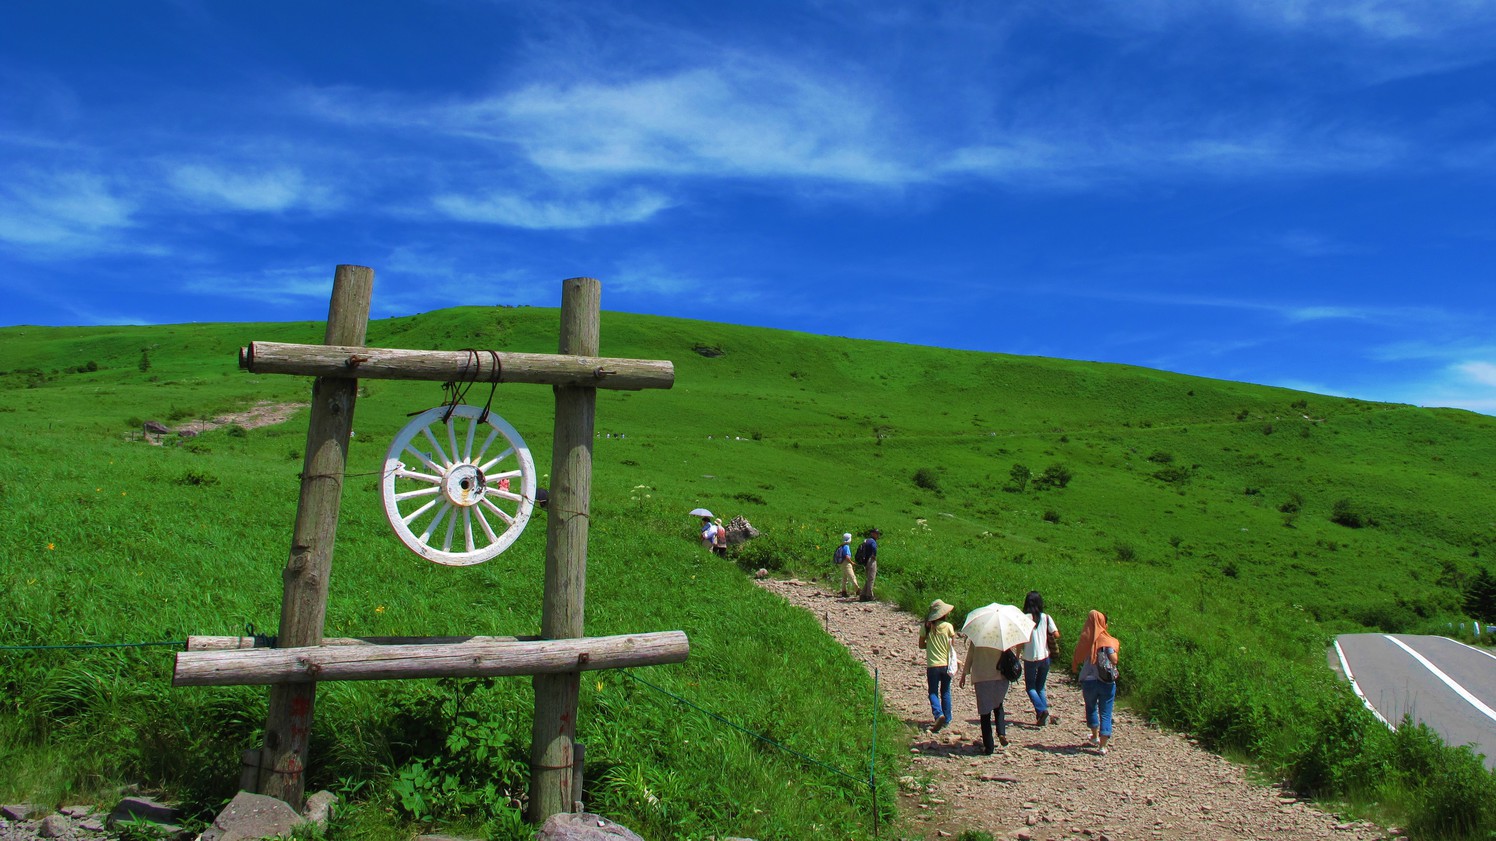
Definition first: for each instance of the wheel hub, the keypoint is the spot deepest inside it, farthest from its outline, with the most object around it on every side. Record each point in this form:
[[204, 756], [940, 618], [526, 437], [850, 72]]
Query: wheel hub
[[464, 485]]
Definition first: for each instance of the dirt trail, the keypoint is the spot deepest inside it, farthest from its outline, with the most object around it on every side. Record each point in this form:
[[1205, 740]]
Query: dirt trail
[[1151, 784]]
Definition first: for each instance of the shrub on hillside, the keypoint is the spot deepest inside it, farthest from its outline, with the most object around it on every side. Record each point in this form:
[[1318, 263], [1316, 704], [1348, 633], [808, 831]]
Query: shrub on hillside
[[1480, 596], [1054, 476], [1349, 514], [1018, 478], [926, 478]]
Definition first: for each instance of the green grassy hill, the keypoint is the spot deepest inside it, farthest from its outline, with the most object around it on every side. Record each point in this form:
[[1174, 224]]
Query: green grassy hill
[[1228, 529]]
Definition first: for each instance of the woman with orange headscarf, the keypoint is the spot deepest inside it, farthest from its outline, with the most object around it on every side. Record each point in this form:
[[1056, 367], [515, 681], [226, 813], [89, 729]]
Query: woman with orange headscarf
[[1096, 659]]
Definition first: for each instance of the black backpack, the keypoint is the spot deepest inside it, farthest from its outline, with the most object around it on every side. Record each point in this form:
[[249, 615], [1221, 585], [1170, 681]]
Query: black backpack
[[865, 551], [1009, 666]]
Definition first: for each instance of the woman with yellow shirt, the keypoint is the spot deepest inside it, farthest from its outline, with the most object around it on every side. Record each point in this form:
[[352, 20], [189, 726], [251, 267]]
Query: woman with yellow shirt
[[935, 637]]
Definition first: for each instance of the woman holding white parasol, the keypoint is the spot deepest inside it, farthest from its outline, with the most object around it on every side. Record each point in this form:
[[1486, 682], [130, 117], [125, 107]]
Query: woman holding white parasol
[[996, 633]]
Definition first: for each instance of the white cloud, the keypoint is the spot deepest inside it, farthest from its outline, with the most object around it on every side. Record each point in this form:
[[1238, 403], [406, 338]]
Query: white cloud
[[65, 211], [521, 211], [276, 286], [1482, 373], [264, 190]]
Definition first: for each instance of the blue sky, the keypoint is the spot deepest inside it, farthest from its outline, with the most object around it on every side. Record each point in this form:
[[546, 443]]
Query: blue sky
[[1295, 193]]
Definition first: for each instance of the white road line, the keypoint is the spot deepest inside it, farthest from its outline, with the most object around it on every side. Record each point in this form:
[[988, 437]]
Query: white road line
[[1346, 667], [1448, 681], [1480, 651]]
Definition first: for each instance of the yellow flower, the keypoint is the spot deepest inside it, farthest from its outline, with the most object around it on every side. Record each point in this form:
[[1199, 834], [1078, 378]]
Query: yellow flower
[[379, 609], [51, 546]]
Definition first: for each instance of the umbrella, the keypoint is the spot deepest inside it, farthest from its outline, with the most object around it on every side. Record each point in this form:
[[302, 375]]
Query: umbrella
[[999, 626], [700, 512]]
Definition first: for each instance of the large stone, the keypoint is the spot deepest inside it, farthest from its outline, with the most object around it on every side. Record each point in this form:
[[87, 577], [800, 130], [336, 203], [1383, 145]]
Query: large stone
[[55, 826], [319, 808], [17, 811], [582, 826], [143, 808], [252, 817], [155, 427]]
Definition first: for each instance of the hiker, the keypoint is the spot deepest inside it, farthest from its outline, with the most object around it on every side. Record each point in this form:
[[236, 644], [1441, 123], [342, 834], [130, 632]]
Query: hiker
[[986, 668], [1096, 659], [1036, 654], [842, 557], [867, 555], [936, 637], [719, 538], [708, 534]]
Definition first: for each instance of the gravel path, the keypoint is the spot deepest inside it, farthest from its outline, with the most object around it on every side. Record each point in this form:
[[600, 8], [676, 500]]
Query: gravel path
[[1152, 784]]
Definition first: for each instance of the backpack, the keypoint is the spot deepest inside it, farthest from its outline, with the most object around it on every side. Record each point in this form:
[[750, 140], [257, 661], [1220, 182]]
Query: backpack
[[864, 551], [836, 554], [1009, 666], [1106, 667]]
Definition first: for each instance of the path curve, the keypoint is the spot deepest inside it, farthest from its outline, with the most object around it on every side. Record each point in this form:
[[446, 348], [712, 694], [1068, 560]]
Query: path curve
[[1151, 785]]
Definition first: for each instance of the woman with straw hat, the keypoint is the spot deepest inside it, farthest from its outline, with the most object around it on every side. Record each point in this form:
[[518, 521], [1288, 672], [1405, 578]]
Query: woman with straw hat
[[935, 637]]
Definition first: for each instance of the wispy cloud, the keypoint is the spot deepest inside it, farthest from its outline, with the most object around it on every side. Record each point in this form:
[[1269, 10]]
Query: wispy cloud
[[270, 189], [60, 210], [521, 211], [284, 285]]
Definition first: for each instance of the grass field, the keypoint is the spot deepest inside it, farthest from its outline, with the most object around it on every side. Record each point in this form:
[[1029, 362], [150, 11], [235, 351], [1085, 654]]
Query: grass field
[[1228, 529]]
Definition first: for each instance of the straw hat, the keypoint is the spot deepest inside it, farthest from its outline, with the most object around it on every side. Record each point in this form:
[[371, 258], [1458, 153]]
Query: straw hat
[[938, 610]]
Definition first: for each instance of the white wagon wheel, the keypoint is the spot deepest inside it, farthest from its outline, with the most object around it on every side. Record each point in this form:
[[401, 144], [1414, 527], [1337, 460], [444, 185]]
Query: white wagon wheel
[[458, 492]]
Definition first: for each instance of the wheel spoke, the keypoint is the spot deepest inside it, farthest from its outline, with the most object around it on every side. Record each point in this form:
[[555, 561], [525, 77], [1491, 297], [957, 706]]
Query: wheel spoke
[[493, 433], [452, 439], [437, 447], [467, 528], [467, 454], [483, 521], [451, 527], [426, 460], [435, 523], [419, 477], [408, 518], [432, 491], [488, 465], [503, 515]]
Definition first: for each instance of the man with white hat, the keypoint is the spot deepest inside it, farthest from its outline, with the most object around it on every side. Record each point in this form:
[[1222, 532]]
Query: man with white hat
[[842, 557]]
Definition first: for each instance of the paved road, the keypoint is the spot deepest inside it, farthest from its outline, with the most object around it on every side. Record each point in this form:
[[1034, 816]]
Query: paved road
[[1449, 686]]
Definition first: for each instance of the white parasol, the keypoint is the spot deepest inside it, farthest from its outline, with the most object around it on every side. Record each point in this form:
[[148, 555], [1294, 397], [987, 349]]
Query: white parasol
[[1000, 626], [700, 512]]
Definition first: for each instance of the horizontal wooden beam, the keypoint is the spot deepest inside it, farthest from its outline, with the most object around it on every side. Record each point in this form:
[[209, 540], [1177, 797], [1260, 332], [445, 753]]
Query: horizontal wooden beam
[[371, 363], [209, 643], [255, 666]]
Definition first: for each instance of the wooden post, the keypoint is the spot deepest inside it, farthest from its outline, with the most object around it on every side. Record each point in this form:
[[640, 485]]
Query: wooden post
[[551, 746], [304, 597]]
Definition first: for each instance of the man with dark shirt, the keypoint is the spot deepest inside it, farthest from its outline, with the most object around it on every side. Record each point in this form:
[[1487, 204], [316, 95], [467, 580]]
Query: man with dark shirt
[[868, 554]]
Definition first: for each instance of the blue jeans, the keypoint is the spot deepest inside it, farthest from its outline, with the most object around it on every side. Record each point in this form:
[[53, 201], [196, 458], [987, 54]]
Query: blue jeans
[[1099, 697], [1035, 673], [938, 678]]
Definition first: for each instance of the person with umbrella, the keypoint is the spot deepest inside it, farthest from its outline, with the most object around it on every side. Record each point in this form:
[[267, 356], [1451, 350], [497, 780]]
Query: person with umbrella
[[708, 529], [1094, 651], [936, 637], [996, 633]]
